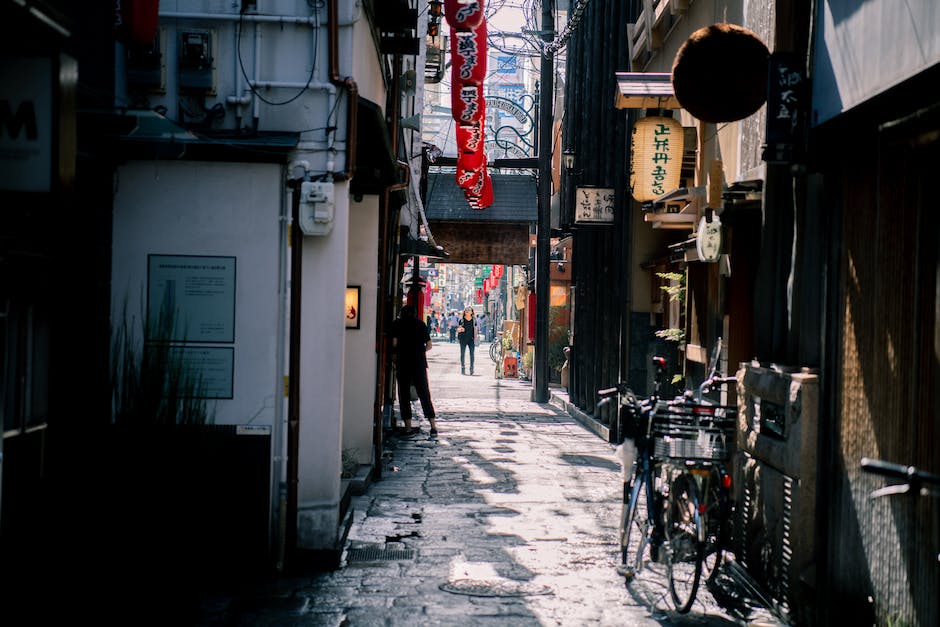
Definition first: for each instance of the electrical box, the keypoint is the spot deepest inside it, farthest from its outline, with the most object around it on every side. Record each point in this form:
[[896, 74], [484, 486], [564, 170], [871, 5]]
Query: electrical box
[[316, 208], [195, 60], [146, 67]]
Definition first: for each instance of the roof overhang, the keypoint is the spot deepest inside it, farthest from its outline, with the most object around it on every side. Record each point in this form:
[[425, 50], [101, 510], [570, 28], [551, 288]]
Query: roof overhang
[[645, 90]]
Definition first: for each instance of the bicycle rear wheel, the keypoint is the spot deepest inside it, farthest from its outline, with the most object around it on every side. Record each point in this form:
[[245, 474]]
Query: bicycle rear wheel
[[684, 550], [715, 522], [495, 347], [635, 528]]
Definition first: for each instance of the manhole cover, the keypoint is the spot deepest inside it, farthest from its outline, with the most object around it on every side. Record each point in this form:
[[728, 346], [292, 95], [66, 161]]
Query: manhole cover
[[493, 588], [379, 555]]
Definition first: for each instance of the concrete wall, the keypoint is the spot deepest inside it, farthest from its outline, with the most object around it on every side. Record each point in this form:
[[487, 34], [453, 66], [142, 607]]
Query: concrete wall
[[201, 208]]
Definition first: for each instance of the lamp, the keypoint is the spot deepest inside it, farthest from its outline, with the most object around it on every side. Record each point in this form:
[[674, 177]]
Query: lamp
[[435, 8], [568, 158]]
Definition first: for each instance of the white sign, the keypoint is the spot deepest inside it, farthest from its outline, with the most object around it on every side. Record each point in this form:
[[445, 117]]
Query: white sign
[[26, 124], [708, 239], [594, 204]]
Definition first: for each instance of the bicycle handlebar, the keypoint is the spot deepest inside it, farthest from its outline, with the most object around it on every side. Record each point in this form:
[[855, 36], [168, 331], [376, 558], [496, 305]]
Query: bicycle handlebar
[[911, 474]]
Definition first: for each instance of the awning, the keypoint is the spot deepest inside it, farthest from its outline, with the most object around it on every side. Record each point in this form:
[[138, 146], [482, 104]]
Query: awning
[[376, 166], [645, 90]]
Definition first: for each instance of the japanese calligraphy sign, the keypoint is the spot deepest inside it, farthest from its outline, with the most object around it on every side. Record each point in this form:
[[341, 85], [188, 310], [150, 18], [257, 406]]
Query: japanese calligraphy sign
[[594, 204], [466, 102], [785, 101], [656, 159]]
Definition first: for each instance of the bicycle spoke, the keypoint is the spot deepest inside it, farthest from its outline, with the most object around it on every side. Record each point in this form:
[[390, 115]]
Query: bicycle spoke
[[683, 549], [635, 529]]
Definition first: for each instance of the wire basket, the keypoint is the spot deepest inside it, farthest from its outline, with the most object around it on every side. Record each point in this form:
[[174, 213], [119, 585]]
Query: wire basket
[[694, 431]]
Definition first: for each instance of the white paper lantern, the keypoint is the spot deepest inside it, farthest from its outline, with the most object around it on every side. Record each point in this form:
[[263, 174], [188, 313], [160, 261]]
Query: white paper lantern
[[656, 157]]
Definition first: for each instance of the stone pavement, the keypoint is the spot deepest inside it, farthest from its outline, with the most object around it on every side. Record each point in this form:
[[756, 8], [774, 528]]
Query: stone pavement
[[508, 517]]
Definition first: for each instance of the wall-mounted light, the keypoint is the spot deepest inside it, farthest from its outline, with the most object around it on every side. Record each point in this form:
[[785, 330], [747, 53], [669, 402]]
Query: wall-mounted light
[[435, 8], [568, 158]]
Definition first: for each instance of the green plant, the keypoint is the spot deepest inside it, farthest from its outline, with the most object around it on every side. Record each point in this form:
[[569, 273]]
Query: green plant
[[675, 288], [150, 381], [557, 337]]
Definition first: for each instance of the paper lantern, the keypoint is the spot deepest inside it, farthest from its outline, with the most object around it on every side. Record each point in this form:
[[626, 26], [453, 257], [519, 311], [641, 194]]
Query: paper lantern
[[701, 80], [463, 14], [467, 178], [466, 102], [471, 160], [468, 54], [470, 137], [498, 271], [656, 157], [480, 195]]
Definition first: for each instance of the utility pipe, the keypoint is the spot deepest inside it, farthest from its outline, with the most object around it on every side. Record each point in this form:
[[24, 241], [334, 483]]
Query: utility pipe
[[352, 89]]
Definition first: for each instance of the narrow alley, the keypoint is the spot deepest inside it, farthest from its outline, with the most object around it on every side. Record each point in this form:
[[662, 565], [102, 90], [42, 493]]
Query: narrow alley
[[508, 517]]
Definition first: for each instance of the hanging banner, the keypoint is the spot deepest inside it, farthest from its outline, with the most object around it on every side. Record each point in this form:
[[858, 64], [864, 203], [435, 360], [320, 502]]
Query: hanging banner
[[463, 14], [656, 161], [468, 54]]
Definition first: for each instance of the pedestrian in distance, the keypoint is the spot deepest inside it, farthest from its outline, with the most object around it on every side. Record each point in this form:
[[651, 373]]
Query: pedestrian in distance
[[467, 333], [410, 343], [452, 322]]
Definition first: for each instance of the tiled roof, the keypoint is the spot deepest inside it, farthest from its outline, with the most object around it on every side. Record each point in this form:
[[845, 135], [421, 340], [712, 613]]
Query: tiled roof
[[515, 199]]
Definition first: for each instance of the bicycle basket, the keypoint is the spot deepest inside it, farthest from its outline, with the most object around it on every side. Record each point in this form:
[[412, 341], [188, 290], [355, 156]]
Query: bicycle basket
[[694, 431]]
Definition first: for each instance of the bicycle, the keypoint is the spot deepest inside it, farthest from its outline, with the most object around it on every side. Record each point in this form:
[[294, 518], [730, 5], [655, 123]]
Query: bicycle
[[683, 445], [639, 526], [692, 439], [496, 348]]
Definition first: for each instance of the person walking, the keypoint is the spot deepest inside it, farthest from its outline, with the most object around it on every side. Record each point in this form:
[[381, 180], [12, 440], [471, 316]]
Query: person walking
[[452, 323], [410, 342], [467, 333]]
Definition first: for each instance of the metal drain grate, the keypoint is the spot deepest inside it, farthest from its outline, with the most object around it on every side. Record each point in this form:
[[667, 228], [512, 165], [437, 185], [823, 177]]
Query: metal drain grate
[[376, 554], [493, 588]]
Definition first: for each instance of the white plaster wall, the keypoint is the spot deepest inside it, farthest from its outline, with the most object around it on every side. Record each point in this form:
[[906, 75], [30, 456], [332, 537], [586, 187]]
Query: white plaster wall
[[202, 208], [322, 351], [360, 363]]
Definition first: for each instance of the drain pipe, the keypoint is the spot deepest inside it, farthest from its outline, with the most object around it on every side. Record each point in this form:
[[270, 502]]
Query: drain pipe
[[296, 242], [352, 89]]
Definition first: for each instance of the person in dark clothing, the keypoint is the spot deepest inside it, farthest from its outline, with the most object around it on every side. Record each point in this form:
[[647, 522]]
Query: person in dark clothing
[[467, 333], [410, 342]]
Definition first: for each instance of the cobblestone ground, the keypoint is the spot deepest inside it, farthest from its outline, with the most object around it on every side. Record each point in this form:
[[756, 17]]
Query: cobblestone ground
[[508, 517]]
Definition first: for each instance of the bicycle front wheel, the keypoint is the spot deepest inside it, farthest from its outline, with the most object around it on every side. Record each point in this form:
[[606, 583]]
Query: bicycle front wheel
[[635, 529], [684, 549], [495, 350]]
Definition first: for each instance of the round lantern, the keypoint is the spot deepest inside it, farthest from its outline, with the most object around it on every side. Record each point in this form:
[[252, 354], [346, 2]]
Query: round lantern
[[498, 271], [468, 54], [467, 179], [703, 83], [480, 196], [466, 102], [656, 157], [470, 137], [463, 14], [471, 160]]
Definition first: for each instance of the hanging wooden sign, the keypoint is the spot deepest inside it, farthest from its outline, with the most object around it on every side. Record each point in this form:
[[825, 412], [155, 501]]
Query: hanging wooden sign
[[656, 157]]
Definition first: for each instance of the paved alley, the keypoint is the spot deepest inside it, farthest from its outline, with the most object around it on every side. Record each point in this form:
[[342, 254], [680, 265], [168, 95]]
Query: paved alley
[[508, 517]]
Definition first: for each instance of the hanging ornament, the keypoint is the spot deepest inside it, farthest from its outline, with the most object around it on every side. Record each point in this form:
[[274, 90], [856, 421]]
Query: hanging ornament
[[463, 14]]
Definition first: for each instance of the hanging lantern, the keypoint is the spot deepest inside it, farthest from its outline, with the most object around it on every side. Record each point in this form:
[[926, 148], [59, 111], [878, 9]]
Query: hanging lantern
[[471, 160], [656, 157], [467, 179], [466, 102], [468, 54], [463, 14], [470, 137], [498, 270]]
